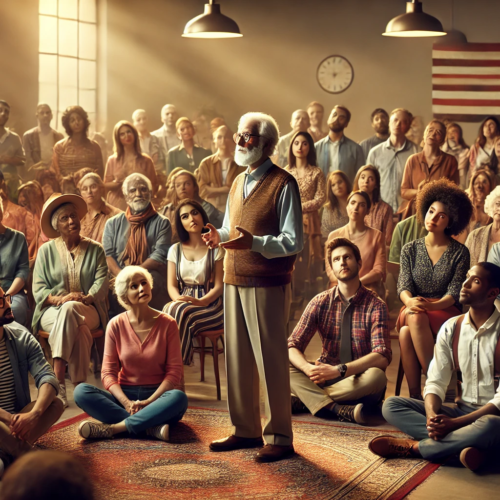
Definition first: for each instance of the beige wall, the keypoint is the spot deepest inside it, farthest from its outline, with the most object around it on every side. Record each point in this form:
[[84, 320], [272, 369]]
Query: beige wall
[[271, 69]]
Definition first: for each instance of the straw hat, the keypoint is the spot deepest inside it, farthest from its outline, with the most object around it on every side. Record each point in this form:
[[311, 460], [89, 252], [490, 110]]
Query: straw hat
[[53, 203]]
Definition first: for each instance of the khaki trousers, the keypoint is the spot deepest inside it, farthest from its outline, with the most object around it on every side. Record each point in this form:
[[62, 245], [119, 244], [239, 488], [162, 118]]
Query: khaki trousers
[[256, 331], [14, 446], [70, 338], [367, 387]]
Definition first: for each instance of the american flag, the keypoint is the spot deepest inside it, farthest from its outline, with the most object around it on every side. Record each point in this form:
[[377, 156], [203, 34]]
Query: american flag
[[466, 81]]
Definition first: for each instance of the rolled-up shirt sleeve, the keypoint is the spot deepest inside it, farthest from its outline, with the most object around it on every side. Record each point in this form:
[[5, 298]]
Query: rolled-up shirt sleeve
[[441, 367], [290, 241], [380, 339], [306, 327]]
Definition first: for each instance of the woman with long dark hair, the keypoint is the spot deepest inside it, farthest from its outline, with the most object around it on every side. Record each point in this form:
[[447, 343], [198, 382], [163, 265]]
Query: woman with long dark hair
[[311, 181], [334, 212], [482, 152], [380, 215], [456, 146], [127, 159], [194, 278]]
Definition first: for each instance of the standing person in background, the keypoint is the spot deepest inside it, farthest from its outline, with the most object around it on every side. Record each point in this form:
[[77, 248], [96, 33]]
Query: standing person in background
[[262, 232], [334, 212], [380, 215], [217, 172], [390, 157], [429, 165], [299, 123], [167, 134], [316, 113], [77, 150], [495, 160], [186, 155], [127, 159], [39, 142], [482, 152], [432, 272], [12, 156], [150, 144], [311, 182], [336, 151], [203, 134], [456, 146], [380, 123]]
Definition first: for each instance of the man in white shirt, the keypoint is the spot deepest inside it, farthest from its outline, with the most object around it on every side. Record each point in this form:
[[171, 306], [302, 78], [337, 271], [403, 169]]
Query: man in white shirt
[[167, 134], [472, 426]]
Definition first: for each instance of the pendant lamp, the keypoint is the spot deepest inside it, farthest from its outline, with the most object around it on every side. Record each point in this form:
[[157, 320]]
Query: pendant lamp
[[211, 24], [415, 23]]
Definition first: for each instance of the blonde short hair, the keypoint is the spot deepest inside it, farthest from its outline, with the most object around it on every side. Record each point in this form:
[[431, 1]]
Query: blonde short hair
[[122, 282]]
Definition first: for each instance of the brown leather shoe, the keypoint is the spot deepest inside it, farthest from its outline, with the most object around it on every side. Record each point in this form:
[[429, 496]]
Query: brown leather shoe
[[274, 452], [472, 458], [235, 443], [391, 447]]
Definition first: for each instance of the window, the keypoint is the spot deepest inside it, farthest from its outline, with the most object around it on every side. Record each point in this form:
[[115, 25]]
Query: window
[[68, 56]]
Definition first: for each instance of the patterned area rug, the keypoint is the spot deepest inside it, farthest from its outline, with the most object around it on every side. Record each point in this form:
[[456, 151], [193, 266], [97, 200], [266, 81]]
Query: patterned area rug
[[332, 462]]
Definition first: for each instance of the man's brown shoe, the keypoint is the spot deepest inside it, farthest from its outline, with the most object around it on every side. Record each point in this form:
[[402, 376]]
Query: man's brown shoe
[[472, 458], [391, 447], [274, 452], [235, 443]]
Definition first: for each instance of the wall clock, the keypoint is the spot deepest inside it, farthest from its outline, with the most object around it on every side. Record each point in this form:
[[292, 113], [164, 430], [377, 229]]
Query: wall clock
[[335, 74]]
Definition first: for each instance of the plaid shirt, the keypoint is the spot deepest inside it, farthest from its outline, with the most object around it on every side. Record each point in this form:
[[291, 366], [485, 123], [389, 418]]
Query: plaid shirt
[[369, 331]]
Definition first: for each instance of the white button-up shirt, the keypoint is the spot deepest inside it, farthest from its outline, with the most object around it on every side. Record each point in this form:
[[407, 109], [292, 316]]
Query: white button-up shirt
[[476, 357]]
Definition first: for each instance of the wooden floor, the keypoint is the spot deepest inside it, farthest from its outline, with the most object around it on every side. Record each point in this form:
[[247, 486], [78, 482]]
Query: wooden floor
[[447, 483]]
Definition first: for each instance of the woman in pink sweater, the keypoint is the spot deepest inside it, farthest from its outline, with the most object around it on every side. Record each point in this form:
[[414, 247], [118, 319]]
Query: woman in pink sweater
[[142, 369]]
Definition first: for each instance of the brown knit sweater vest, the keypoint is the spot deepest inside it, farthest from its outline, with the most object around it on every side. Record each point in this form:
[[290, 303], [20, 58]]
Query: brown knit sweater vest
[[257, 213]]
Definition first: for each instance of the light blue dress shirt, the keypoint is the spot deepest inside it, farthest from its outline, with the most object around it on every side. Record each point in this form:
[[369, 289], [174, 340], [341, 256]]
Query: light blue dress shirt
[[290, 241], [391, 162]]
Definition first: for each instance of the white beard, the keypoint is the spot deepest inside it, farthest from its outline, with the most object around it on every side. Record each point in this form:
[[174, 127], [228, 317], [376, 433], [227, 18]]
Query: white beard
[[246, 158], [139, 206]]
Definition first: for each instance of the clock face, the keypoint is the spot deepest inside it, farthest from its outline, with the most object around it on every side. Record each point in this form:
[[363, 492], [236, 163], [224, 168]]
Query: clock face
[[335, 74]]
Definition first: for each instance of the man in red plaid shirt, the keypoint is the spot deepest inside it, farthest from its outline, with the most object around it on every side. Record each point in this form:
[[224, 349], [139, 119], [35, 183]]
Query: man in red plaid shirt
[[348, 380]]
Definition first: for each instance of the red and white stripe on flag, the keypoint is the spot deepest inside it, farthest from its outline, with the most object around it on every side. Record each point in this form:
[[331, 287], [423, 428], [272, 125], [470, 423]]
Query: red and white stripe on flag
[[466, 81]]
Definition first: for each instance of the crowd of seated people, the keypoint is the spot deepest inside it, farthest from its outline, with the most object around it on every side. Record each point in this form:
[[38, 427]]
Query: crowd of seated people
[[218, 230]]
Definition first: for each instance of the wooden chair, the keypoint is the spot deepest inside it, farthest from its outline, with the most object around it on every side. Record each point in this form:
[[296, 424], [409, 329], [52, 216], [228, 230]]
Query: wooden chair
[[213, 336], [97, 352]]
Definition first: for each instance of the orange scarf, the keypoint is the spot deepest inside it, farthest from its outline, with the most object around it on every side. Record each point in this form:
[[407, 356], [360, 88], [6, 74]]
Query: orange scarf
[[136, 251]]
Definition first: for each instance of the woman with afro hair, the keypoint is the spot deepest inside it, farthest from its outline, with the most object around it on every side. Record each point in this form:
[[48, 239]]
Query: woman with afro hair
[[432, 271]]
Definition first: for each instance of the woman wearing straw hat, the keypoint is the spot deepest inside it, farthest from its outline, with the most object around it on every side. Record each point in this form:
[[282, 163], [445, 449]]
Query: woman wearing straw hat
[[70, 286]]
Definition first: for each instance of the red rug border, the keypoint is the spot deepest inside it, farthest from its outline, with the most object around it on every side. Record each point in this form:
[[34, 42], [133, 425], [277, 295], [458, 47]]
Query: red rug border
[[399, 494]]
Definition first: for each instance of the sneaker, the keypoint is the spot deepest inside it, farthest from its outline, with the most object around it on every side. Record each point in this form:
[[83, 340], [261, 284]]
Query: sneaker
[[62, 395], [298, 406], [350, 413], [90, 429], [472, 458], [391, 447], [159, 432]]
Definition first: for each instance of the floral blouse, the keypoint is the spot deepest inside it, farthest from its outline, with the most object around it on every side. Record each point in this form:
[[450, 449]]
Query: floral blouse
[[332, 220], [419, 277]]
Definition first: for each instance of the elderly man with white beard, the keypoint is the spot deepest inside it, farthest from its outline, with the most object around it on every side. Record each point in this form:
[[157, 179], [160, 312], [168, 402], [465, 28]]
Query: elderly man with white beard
[[262, 233], [139, 237]]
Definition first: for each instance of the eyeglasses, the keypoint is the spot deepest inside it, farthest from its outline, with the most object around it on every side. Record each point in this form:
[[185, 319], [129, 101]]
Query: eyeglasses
[[4, 299], [247, 138]]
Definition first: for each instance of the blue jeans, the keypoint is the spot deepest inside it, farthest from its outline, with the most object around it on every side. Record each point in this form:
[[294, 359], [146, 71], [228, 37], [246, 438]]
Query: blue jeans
[[20, 309], [169, 408], [409, 416]]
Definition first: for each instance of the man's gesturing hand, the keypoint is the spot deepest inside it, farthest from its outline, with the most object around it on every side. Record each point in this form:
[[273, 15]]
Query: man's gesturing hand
[[243, 242], [212, 238]]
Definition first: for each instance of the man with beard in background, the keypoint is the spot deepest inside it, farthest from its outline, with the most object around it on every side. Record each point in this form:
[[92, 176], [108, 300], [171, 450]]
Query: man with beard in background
[[262, 232], [380, 123], [336, 151], [139, 237], [22, 422]]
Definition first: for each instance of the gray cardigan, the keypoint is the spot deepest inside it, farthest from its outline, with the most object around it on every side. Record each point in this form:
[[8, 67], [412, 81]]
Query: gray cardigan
[[25, 354]]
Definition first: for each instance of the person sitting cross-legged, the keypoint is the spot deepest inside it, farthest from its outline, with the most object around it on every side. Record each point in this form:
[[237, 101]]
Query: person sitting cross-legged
[[142, 368], [22, 422], [349, 377], [470, 345]]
